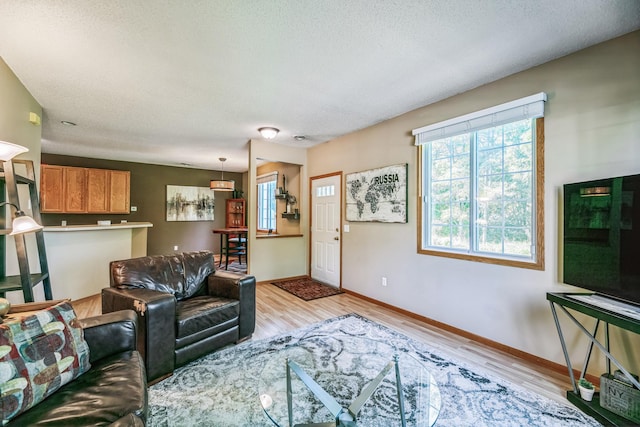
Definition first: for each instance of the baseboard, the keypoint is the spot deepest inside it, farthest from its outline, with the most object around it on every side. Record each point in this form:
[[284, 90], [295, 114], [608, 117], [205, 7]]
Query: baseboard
[[539, 361], [157, 380]]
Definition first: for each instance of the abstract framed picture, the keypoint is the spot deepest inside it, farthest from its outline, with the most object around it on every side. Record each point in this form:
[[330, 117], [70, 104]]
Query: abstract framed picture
[[377, 195], [187, 203]]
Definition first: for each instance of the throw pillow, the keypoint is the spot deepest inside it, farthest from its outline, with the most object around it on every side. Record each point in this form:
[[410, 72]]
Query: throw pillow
[[39, 353]]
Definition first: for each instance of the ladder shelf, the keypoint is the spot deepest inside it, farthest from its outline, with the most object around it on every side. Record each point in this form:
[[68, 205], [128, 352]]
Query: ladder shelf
[[26, 280]]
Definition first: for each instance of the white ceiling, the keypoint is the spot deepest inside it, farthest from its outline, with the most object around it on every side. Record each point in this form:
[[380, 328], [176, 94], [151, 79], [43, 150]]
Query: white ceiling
[[187, 82]]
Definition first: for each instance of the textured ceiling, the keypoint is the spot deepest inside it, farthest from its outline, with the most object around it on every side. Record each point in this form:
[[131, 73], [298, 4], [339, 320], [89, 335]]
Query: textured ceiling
[[186, 82]]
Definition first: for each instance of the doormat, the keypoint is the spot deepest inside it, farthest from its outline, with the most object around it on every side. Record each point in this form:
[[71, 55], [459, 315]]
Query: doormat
[[307, 289]]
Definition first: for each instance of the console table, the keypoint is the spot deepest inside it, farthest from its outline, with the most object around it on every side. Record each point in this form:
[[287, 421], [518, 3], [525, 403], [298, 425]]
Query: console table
[[610, 316]]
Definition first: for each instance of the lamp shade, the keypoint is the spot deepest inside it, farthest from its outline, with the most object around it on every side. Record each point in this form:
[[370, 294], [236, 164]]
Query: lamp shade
[[9, 150], [24, 224], [222, 185]]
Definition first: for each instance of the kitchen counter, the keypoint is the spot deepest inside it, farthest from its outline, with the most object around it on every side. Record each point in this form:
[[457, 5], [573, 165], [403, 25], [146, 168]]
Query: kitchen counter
[[79, 255], [96, 227]]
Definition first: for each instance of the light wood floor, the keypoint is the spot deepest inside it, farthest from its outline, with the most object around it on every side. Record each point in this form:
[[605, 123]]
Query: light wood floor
[[278, 311]]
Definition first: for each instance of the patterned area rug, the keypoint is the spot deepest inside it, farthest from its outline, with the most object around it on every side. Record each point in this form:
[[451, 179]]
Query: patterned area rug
[[233, 265], [222, 388], [236, 267], [307, 289]]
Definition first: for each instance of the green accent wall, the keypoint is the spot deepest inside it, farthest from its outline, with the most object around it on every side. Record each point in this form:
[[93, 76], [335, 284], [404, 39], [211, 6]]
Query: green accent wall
[[148, 194]]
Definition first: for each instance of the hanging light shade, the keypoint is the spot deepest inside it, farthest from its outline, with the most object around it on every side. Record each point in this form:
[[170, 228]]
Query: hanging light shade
[[22, 223], [268, 132], [222, 184], [9, 150]]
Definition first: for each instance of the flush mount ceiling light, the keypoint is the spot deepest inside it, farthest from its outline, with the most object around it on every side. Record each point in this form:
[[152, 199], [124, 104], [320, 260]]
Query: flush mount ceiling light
[[268, 132], [222, 184]]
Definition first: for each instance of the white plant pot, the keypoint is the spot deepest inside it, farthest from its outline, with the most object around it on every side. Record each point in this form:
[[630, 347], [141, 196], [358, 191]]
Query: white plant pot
[[586, 393]]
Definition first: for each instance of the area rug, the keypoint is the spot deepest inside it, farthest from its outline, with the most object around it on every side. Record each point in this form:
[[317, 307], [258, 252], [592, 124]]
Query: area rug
[[222, 388], [307, 289], [234, 265]]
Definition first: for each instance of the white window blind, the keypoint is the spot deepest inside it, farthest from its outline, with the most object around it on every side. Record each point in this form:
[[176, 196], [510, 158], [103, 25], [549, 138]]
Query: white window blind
[[273, 176], [530, 107]]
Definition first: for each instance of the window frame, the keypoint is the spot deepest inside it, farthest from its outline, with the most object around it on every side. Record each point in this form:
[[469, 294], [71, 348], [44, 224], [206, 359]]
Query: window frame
[[259, 204], [538, 262]]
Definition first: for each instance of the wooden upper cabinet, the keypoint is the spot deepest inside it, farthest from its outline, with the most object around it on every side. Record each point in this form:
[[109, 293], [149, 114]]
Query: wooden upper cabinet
[[119, 191], [65, 189], [75, 189], [51, 178], [97, 197]]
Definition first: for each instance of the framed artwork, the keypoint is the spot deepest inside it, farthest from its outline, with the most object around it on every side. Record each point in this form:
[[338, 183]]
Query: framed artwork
[[377, 195], [186, 203]]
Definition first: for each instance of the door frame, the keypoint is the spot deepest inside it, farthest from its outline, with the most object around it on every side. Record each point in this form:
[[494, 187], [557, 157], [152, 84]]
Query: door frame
[[311, 198]]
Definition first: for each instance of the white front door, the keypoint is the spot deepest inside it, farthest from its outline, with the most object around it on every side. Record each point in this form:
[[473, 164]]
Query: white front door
[[325, 229]]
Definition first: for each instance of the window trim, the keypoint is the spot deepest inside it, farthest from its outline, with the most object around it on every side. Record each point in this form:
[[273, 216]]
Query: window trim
[[262, 179], [538, 263]]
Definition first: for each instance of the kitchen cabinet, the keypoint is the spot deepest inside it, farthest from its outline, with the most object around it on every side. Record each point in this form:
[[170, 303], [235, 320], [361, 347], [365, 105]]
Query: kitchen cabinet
[[74, 193], [97, 197], [51, 188], [66, 189], [119, 191]]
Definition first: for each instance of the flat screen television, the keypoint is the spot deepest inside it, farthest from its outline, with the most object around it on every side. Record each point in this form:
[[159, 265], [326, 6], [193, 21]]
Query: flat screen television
[[602, 236]]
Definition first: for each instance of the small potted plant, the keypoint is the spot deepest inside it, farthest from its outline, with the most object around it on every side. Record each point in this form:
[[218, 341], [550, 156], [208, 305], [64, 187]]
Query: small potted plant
[[586, 389]]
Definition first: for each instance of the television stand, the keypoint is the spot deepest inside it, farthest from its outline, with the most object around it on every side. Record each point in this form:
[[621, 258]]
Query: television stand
[[601, 312], [610, 304]]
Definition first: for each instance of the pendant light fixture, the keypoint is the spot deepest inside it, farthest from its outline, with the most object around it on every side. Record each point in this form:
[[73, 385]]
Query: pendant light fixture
[[222, 184]]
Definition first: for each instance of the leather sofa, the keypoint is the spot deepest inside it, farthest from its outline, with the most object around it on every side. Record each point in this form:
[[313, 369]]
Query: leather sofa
[[113, 392], [185, 307]]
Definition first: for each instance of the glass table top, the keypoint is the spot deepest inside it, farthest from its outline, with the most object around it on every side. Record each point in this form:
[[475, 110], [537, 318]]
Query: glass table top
[[347, 381]]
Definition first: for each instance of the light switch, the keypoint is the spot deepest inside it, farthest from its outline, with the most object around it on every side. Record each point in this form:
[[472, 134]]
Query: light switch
[[345, 228]]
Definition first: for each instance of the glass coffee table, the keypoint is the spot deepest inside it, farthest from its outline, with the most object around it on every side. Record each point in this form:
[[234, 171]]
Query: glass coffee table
[[347, 381]]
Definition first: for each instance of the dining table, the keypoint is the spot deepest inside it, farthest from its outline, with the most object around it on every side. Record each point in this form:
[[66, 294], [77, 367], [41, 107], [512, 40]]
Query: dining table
[[238, 247]]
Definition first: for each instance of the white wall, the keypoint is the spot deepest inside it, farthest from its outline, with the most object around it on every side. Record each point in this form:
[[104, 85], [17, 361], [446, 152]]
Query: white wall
[[79, 256], [592, 130], [278, 257], [15, 105]]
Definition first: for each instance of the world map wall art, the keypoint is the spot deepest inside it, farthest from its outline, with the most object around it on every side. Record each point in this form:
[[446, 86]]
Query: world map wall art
[[378, 195]]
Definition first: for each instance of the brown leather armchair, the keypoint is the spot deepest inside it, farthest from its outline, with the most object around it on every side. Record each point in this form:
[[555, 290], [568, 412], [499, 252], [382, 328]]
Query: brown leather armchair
[[185, 307]]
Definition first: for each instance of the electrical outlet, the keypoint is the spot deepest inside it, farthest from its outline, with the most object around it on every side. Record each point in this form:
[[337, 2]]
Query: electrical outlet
[[384, 281], [175, 248], [134, 209]]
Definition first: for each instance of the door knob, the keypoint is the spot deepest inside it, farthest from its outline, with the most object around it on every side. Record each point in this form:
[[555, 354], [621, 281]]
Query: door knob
[[336, 238]]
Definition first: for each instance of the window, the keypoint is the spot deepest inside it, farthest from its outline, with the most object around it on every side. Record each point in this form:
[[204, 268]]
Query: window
[[326, 191], [482, 185], [267, 201]]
